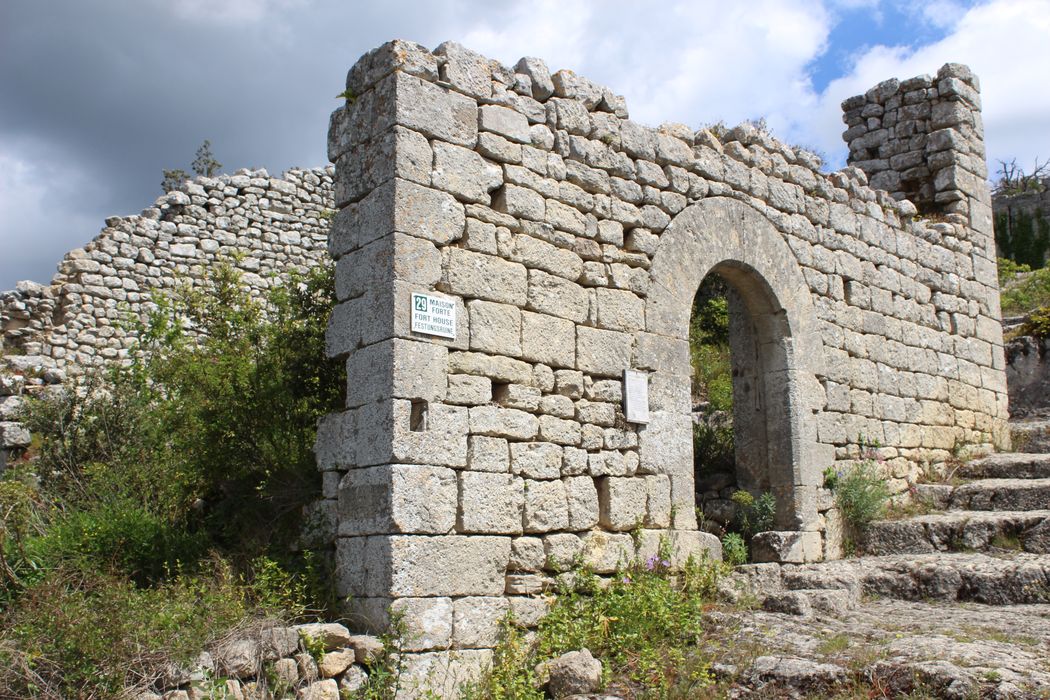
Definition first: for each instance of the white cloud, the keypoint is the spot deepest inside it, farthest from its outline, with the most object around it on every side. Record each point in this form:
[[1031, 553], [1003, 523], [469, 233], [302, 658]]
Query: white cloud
[[1004, 42]]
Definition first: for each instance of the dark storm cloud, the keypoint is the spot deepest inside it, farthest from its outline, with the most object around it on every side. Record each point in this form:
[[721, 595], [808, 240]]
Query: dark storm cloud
[[98, 97]]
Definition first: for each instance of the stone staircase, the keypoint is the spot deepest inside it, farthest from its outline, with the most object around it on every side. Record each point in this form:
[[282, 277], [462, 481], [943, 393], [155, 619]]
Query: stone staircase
[[985, 539], [953, 603]]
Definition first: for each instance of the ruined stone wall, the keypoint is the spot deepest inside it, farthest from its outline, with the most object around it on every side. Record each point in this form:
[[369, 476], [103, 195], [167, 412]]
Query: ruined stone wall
[[468, 471], [262, 225], [922, 139]]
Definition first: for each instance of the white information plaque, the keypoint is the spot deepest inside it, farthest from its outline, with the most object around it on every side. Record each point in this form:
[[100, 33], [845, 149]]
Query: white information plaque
[[433, 315], [636, 396]]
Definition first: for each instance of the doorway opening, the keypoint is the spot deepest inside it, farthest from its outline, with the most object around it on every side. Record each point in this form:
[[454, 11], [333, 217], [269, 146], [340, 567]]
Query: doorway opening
[[740, 408]]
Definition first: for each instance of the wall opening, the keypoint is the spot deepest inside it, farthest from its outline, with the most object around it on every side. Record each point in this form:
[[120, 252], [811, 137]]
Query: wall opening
[[742, 455]]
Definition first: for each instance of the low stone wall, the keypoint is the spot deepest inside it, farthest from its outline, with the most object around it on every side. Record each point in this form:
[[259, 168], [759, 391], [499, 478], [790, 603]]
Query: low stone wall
[[262, 225]]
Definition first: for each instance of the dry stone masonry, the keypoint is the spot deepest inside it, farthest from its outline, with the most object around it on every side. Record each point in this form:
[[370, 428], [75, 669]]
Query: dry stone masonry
[[510, 247], [922, 139], [516, 262], [262, 225]]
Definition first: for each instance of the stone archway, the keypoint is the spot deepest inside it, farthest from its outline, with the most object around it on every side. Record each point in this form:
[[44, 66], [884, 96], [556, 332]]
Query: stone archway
[[739, 243]]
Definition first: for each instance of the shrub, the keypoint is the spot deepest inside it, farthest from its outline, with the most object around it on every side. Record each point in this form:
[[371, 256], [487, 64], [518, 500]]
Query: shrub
[[1027, 292], [1038, 323], [861, 495], [643, 625], [93, 635], [713, 447], [734, 549], [754, 515]]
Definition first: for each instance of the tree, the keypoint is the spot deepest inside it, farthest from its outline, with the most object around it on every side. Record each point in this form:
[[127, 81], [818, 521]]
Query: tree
[[204, 165]]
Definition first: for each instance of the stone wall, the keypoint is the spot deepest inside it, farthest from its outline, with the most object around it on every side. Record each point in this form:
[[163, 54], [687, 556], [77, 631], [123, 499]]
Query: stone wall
[[921, 139], [264, 226], [469, 471]]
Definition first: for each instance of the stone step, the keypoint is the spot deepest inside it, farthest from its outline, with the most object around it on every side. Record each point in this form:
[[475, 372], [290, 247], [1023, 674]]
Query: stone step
[[961, 530], [835, 586], [1007, 465], [1030, 435], [988, 494]]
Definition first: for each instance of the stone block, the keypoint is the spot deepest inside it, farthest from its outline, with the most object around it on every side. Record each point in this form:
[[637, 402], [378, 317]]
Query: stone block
[[466, 70], [527, 554], [528, 611], [559, 430], [548, 339], [441, 674], [393, 498], [569, 383], [536, 460], [434, 111], [596, 412], [658, 501], [486, 277], [603, 352], [362, 167], [335, 441], [546, 507], [684, 545], [582, 497], [477, 621], [399, 431], [495, 421], [488, 454], [605, 552], [537, 254], [557, 405], [490, 503], [505, 122], [468, 390], [428, 622], [500, 369], [621, 502], [526, 398], [396, 256], [464, 174], [421, 566], [557, 296], [397, 205], [563, 551], [495, 328], [620, 310], [787, 547], [574, 461], [520, 202], [396, 368]]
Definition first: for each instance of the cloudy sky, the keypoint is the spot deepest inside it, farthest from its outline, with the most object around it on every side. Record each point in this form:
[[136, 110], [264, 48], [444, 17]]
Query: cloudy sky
[[98, 96]]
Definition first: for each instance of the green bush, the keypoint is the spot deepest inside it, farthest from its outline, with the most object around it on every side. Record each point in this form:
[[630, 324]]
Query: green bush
[[734, 549], [1029, 292], [861, 495], [713, 448], [754, 515], [643, 625], [167, 494], [120, 537], [78, 635], [1038, 323]]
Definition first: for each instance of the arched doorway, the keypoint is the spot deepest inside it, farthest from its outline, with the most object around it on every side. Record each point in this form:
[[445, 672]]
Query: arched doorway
[[780, 358]]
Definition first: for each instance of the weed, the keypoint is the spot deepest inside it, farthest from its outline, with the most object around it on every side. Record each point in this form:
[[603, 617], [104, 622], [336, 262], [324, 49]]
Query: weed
[[860, 494], [734, 549]]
